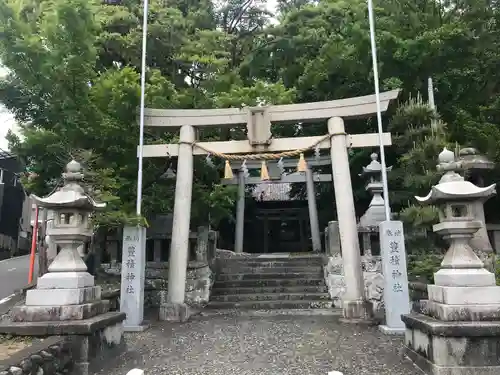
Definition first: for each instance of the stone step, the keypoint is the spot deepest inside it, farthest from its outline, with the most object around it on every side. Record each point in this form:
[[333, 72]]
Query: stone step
[[272, 297], [271, 305], [269, 269], [267, 290], [266, 276], [253, 283]]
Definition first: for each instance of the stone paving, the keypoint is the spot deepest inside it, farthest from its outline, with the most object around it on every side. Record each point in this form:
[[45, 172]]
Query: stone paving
[[264, 345]]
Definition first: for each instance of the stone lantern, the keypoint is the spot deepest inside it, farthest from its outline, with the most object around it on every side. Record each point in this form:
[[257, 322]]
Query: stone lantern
[[456, 200], [475, 166], [66, 301], [458, 329], [67, 284], [375, 214]]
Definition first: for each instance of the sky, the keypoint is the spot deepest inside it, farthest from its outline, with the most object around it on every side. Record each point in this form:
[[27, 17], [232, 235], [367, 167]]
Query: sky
[[7, 120]]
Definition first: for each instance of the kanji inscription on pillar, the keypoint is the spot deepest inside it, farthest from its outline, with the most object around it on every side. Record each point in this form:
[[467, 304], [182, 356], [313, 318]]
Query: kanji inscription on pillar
[[396, 297], [132, 280]]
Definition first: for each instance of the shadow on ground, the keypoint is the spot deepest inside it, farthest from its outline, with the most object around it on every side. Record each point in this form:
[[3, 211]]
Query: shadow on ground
[[267, 345]]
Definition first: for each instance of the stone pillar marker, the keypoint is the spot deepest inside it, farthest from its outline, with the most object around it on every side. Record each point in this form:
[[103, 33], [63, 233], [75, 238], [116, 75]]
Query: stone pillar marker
[[396, 295], [354, 305], [458, 329], [176, 309], [132, 277]]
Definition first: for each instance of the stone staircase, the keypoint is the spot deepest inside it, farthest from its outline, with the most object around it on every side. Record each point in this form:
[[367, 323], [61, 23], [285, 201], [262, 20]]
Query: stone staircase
[[266, 282]]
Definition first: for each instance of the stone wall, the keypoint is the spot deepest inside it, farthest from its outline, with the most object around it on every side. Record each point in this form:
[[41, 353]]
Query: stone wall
[[199, 281], [374, 280], [52, 356]]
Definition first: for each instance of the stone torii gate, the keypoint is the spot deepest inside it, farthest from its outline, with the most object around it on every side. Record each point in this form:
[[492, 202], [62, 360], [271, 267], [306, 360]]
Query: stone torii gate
[[258, 122]]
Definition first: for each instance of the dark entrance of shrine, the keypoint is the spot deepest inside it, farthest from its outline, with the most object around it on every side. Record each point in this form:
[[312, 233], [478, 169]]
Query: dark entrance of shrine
[[278, 227], [275, 222]]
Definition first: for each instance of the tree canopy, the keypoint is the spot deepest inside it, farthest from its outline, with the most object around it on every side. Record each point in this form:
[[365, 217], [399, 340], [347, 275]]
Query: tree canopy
[[74, 73]]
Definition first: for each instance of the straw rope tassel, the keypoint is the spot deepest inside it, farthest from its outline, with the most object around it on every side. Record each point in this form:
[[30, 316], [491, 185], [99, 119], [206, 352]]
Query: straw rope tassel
[[228, 172], [301, 165], [264, 173]]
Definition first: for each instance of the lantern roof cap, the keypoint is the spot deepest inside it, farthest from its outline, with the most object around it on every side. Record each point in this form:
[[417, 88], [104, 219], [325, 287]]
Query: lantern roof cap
[[457, 190], [71, 194], [452, 186], [374, 167], [470, 158]]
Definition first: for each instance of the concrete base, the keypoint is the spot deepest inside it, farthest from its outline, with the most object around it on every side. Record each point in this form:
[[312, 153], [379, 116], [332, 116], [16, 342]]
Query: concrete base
[[452, 348], [450, 295], [391, 331], [466, 277], [58, 313], [139, 328], [58, 297], [357, 312], [431, 369], [465, 313], [175, 312], [92, 350], [71, 280]]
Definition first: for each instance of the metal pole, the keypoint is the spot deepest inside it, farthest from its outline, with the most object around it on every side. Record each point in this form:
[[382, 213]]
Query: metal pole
[[379, 112], [42, 249], [240, 214], [141, 114], [33, 247]]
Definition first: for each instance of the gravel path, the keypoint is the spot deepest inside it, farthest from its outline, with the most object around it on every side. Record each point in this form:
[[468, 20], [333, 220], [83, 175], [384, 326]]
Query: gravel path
[[267, 345]]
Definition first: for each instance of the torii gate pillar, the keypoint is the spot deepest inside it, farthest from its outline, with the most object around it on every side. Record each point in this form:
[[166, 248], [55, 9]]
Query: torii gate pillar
[[175, 309], [354, 305]]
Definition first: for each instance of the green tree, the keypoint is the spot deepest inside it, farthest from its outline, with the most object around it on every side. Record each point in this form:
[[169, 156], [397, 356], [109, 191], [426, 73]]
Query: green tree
[[74, 84]]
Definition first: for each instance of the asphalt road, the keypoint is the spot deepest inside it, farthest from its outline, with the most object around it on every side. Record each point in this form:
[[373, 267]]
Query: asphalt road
[[14, 274]]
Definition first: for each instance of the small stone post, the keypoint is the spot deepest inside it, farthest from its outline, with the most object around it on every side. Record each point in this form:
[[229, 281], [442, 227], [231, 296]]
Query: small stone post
[[355, 307], [333, 239], [313, 210], [240, 214], [176, 309], [202, 244]]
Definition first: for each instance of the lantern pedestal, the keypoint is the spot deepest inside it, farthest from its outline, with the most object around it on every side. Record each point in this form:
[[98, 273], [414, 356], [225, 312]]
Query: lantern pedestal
[[452, 347]]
